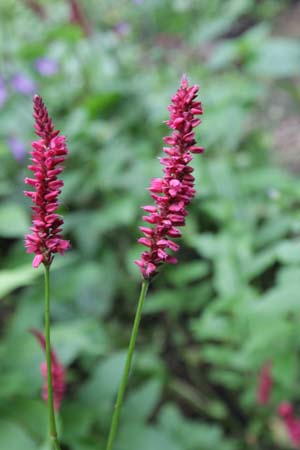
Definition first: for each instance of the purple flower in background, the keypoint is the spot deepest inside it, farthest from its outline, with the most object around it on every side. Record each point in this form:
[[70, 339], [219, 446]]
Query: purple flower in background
[[23, 84], [46, 66], [17, 147], [3, 92], [137, 2], [122, 29]]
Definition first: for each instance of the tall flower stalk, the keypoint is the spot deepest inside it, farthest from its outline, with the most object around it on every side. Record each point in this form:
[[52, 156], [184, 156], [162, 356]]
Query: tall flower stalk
[[171, 194], [45, 239]]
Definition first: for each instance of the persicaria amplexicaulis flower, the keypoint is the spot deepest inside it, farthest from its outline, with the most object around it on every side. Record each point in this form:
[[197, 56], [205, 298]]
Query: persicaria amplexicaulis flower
[[48, 154], [291, 422], [58, 374], [265, 384], [175, 190]]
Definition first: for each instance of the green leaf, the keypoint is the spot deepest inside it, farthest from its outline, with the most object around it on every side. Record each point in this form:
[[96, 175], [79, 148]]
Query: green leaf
[[14, 221], [15, 278], [13, 437], [141, 403], [76, 421], [163, 300], [188, 272], [289, 251], [212, 327], [100, 390], [137, 437], [82, 336], [31, 413], [191, 435], [278, 58]]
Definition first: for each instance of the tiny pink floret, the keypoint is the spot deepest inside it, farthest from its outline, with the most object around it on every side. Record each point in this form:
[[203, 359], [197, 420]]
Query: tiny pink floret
[[48, 153], [175, 190], [37, 260]]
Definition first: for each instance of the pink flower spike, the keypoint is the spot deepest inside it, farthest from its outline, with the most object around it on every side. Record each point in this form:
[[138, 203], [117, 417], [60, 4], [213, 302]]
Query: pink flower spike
[[265, 384], [48, 153], [285, 410], [175, 190], [291, 422], [58, 373]]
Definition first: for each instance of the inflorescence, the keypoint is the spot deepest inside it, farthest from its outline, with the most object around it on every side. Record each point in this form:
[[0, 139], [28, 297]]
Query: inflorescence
[[175, 190]]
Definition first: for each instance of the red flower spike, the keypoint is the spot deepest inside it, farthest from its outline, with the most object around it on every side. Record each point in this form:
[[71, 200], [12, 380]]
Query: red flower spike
[[48, 153], [291, 422], [265, 384], [175, 190], [58, 373]]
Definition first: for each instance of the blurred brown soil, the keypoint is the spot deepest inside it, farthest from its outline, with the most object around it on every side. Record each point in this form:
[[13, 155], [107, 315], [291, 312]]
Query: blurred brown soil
[[285, 103]]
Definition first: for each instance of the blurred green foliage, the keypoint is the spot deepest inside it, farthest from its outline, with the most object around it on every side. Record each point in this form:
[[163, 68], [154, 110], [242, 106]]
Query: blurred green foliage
[[232, 303]]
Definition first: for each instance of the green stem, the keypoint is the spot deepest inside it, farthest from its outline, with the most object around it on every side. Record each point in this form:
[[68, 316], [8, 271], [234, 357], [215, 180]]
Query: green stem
[[52, 424], [122, 388]]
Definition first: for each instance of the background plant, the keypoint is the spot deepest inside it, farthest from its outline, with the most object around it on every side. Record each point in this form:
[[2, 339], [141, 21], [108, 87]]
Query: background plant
[[210, 323]]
